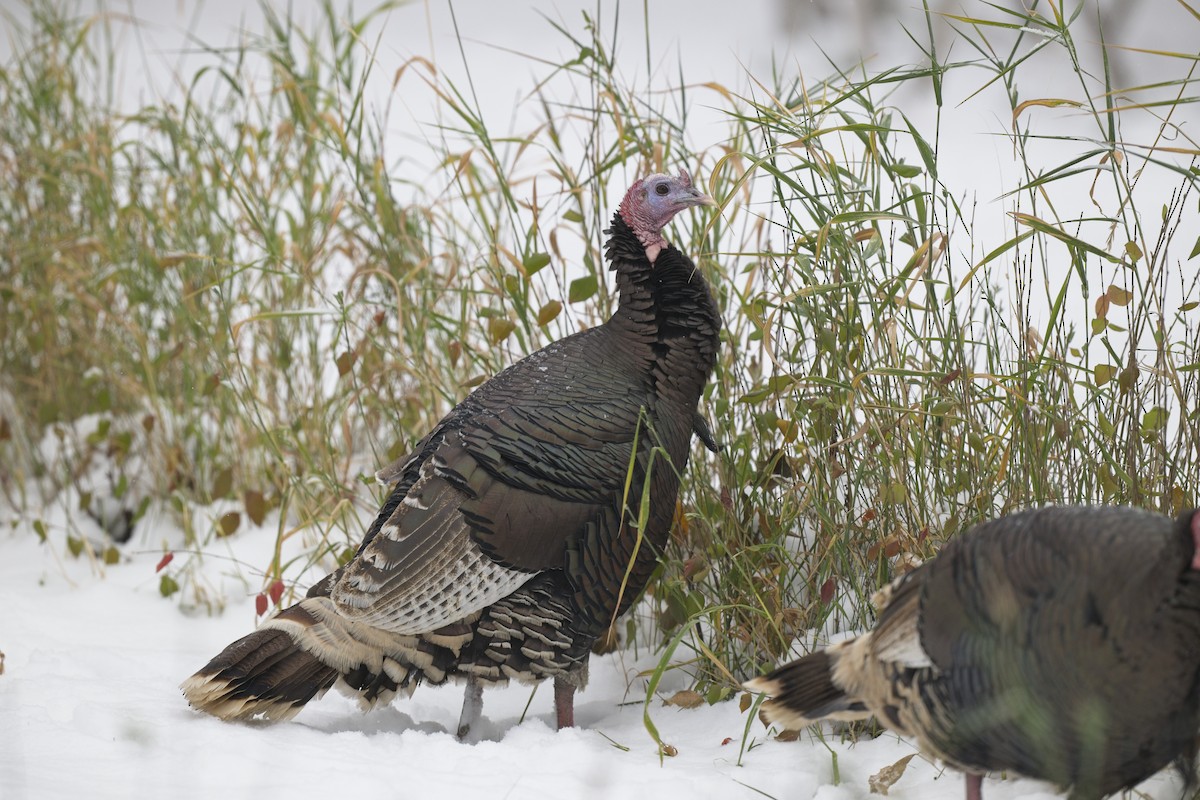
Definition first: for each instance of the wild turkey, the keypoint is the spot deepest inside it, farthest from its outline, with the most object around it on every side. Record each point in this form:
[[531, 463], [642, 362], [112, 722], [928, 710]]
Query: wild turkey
[[1062, 644], [510, 541]]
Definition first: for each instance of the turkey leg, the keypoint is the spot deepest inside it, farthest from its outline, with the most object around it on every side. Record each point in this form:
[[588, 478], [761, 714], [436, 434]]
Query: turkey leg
[[472, 707]]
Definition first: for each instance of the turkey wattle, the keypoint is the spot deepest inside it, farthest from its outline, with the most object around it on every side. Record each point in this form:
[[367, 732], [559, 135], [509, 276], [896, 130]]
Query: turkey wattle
[[1061, 644], [506, 546]]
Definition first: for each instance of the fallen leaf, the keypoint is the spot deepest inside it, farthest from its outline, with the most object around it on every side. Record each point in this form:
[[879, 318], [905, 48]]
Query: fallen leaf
[[686, 699], [881, 781]]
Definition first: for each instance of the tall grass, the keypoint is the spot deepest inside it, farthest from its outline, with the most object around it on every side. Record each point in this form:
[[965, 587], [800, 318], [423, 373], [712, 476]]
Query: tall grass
[[243, 302]]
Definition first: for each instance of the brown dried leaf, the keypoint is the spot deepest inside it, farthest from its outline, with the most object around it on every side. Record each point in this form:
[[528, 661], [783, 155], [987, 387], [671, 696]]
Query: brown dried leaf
[[345, 362], [256, 506], [499, 328], [548, 312], [222, 483], [827, 589], [685, 699], [883, 780], [1118, 296], [229, 523]]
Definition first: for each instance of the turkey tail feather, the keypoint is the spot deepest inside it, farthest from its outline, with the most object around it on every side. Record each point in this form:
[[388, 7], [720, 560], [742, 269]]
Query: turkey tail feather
[[803, 693], [262, 675]]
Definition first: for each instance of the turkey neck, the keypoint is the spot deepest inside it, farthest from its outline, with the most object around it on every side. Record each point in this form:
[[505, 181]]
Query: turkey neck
[[664, 304]]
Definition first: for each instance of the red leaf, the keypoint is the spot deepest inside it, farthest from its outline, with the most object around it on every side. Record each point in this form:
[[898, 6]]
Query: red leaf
[[166, 559], [827, 591], [726, 740], [276, 591], [260, 604]]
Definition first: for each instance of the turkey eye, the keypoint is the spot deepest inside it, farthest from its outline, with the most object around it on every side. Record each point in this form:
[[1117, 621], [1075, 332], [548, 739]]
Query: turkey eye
[[661, 189]]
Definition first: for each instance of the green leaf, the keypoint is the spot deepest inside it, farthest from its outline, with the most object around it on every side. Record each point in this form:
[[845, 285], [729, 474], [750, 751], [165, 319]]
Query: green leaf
[[1103, 373], [1154, 420], [167, 585], [1106, 426], [112, 555], [75, 545], [572, 216], [874, 245], [869, 216], [1133, 251], [942, 407], [97, 436], [1045, 227], [140, 511], [772, 386], [1128, 378], [582, 288], [39, 528], [535, 262], [923, 148], [993, 255], [1195, 249]]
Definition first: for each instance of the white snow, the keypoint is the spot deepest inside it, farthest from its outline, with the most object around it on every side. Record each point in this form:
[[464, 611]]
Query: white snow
[[89, 708]]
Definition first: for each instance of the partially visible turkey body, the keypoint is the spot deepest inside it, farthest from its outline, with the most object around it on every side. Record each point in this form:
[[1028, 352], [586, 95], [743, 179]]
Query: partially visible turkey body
[[513, 507], [1061, 644]]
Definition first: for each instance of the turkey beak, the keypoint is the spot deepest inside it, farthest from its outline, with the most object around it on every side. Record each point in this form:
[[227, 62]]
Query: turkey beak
[[695, 197]]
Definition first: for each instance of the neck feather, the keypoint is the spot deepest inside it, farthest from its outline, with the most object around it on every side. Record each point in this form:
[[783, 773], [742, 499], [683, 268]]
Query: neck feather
[[662, 299]]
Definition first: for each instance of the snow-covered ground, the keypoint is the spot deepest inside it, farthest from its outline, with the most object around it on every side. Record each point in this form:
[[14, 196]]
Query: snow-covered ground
[[89, 708]]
